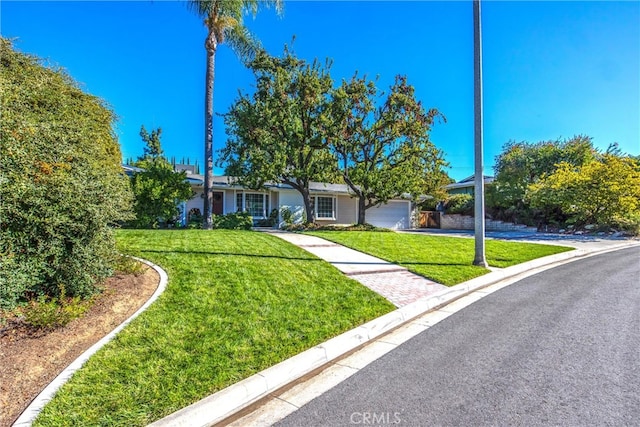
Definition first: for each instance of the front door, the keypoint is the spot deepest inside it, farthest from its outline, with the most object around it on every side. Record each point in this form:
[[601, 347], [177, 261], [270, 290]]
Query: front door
[[218, 203]]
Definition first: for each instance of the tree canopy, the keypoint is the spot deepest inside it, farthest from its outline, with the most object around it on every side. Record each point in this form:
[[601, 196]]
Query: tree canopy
[[297, 128], [278, 133], [603, 192], [521, 164], [383, 149], [567, 183]]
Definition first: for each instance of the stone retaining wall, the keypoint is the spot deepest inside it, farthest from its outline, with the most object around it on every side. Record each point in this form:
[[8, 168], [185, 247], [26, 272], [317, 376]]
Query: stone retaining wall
[[465, 222]]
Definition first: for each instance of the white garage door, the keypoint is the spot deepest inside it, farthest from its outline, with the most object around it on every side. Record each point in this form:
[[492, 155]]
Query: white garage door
[[394, 215]]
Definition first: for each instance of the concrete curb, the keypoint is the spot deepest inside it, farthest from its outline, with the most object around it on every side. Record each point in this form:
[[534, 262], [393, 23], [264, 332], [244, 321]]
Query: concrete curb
[[29, 415], [228, 402]]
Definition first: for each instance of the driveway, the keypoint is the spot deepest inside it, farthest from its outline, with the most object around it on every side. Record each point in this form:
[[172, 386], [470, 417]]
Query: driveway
[[584, 241]]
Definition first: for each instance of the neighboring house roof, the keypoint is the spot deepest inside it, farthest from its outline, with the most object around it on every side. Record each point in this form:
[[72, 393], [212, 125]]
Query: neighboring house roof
[[468, 182], [189, 169], [130, 170]]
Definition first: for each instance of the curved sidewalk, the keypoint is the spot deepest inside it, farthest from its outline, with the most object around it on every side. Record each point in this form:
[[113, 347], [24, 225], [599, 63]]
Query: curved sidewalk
[[395, 283]]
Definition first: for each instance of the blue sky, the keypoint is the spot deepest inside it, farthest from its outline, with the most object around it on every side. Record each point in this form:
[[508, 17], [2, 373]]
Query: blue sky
[[551, 69]]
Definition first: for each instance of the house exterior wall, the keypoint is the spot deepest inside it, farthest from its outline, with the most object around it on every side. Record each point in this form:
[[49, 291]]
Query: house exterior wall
[[230, 202], [347, 210], [274, 198], [463, 190], [292, 200], [196, 202], [346, 207]]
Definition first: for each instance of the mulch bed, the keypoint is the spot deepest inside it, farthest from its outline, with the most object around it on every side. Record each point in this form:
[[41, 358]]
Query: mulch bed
[[32, 358]]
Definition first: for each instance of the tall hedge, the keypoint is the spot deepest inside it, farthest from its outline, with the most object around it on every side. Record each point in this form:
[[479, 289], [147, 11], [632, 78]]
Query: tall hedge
[[61, 183]]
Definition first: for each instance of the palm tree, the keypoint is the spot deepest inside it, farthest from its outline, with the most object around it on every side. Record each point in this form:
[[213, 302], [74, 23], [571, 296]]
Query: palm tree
[[223, 19]]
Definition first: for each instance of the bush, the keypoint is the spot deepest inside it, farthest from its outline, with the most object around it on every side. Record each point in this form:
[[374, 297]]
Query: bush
[[128, 265], [157, 188], [333, 227], [61, 183], [287, 216], [51, 314], [459, 204], [233, 221]]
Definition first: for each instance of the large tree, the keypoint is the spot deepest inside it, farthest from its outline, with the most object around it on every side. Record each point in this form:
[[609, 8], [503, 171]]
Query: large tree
[[383, 148], [278, 134], [224, 22]]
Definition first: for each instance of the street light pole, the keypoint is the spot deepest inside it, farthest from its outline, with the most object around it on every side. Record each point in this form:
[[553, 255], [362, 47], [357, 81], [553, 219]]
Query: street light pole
[[479, 258]]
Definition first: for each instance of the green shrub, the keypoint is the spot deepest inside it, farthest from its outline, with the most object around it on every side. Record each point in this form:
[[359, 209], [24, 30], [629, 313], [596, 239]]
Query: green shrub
[[333, 227], [302, 227], [45, 313], [127, 265], [270, 221], [459, 204], [157, 188], [54, 313], [233, 221], [287, 216], [62, 187], [194, 219]]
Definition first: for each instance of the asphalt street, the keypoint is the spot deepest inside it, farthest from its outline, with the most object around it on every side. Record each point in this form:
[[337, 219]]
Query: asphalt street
[[558, 348]]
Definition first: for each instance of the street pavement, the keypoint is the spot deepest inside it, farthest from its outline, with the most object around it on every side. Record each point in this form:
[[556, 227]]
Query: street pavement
[[557, 348]]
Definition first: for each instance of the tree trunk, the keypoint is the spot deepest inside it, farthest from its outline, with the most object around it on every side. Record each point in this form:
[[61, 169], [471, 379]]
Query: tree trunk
[[309, 209], [362, 210], [210, 46]]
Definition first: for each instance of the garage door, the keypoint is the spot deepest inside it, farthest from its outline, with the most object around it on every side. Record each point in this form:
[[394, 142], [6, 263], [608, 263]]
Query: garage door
[[394, 215]]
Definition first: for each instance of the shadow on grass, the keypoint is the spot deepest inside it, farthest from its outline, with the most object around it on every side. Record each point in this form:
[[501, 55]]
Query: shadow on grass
[[443, 264], [230, 254]]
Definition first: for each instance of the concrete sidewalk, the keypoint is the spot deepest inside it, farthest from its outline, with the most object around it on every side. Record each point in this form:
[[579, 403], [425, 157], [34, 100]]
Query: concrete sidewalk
[[395, 283]]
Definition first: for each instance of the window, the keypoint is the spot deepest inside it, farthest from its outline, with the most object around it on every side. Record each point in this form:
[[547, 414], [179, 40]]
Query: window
[[325, 207], [256, 204]]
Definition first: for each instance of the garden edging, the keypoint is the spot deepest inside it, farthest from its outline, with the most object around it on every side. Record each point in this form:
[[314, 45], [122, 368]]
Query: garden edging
[[29, 415]]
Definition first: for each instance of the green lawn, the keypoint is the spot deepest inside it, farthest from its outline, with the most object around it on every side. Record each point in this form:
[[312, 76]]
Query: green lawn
[[237, 302], [443, 259]]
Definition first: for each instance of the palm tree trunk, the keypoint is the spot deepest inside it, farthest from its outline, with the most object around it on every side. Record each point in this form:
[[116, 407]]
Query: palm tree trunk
[[208, 134]]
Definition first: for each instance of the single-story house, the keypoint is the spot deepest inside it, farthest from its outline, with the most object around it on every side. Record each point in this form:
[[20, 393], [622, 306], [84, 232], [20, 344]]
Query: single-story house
[[333, 203], [467, 185]]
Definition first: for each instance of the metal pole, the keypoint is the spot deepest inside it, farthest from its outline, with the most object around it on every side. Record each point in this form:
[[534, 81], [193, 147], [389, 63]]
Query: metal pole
[[479, 258]]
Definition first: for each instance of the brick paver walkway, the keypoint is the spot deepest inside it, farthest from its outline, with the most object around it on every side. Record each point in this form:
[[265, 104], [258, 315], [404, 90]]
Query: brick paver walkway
[[393, 282], [400, 287]]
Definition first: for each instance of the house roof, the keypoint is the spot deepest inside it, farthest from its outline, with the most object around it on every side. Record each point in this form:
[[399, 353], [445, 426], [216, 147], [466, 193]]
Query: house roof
[[468, 182], [228, 182], [224, 181]]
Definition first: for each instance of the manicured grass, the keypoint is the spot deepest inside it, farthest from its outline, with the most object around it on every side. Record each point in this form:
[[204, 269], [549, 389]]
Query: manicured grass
[[443, 259], [237, 302]]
